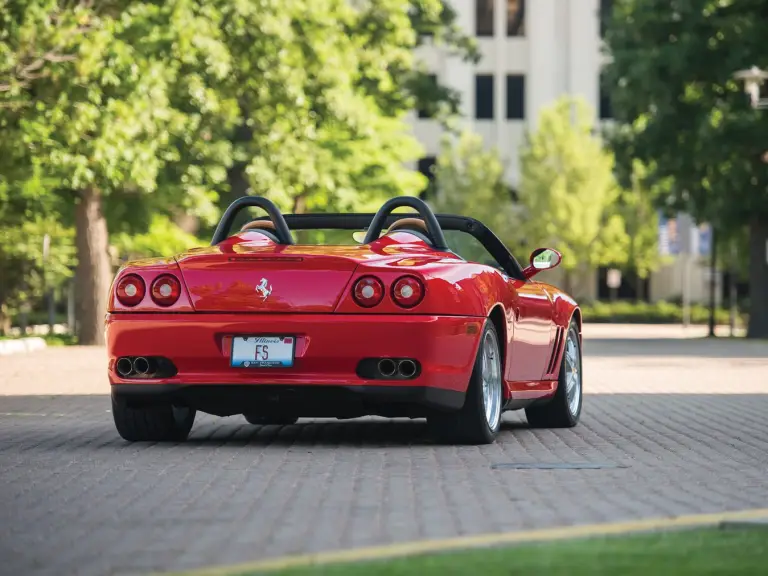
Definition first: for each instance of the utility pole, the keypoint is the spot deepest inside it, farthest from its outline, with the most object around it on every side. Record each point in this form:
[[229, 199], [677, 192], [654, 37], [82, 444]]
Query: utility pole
[[712, 281]]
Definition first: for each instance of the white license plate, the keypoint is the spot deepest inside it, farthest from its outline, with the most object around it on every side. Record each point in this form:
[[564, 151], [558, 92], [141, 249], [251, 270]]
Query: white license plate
[[262, 351]]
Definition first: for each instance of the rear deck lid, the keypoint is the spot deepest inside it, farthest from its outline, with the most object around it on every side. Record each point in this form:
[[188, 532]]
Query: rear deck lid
[[264, 279]]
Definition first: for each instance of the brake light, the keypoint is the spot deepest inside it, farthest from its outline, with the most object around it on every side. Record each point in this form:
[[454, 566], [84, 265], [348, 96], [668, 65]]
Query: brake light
[[130, 290], [166, 289], [368, 291], [407, 291]]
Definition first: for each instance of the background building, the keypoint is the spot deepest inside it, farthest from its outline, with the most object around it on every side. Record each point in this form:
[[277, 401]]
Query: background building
[[532, 52]]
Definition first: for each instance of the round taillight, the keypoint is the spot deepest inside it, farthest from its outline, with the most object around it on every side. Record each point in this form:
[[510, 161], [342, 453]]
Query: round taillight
[[166, 289], [368, 291], [407, 291], [130, 290]]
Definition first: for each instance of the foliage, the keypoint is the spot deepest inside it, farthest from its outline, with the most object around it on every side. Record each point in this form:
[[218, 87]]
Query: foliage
[[162, 238], [27, 215], [626, 312], [50, 339], [342, 143], [641, 221], [157, 105], [680, 111], [673, 92], [568, 189], [470, 181], [127, 91]]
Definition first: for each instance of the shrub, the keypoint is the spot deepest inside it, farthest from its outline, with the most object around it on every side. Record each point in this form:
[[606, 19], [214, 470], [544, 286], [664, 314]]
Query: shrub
[[626, 312]]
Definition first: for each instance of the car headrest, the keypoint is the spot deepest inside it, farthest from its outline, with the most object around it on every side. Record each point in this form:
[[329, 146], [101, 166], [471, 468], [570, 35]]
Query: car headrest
[[408, 223], [258, 225]]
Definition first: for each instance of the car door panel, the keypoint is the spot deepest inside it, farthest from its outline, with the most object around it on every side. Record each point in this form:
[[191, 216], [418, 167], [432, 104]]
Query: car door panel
[[532, 341]]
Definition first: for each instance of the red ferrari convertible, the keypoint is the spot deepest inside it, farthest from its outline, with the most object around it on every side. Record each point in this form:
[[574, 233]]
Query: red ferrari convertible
[[403, 323]]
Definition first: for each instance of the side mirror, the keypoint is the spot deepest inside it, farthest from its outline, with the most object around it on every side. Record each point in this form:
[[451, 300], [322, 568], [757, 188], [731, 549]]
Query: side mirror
[[542, 259]]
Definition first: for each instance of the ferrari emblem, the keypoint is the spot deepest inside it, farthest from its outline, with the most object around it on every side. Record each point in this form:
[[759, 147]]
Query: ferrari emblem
[[263, 290]]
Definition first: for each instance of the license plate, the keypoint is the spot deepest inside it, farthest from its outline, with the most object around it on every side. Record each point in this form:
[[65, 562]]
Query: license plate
[[262, 351]]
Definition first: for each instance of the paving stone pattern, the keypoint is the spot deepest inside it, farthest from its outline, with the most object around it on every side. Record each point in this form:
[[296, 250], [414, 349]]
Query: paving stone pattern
[[686, 419]]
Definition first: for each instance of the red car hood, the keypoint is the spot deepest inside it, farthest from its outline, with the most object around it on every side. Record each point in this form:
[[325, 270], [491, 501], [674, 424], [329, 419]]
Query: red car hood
[[246, 273]]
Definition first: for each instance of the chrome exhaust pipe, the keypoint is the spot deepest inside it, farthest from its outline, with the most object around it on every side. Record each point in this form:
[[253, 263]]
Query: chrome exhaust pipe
[[141, 366], [406, 368], [124, 367], [387, 367]]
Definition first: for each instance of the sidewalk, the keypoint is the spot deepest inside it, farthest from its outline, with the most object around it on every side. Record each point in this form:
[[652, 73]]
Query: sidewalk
[[653, 331]]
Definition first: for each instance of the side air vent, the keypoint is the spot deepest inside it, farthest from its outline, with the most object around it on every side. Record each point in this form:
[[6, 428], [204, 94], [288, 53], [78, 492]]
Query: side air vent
[[556, 346]]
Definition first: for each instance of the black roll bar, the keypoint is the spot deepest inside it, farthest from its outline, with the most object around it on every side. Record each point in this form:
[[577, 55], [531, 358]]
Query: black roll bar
[[433, 226], [282, 231]]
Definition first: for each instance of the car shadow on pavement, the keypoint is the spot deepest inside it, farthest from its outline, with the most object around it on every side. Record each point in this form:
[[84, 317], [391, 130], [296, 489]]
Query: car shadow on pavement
[[363, 432], [84, 422], [72, 425]]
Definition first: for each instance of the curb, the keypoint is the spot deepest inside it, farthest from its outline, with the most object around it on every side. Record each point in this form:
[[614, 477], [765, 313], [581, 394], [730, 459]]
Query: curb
[[21, 345], [482, 541]]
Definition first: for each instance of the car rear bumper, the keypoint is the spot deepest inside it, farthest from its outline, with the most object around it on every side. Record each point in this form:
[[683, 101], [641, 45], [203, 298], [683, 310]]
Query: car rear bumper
[[329, 348]]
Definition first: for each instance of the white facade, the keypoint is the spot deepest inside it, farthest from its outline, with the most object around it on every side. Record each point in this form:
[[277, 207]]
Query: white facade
[[558, 53]]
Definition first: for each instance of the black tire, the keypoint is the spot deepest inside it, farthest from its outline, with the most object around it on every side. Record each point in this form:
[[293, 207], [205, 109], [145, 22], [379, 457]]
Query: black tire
[[153, 422], [557, 413], [469, 425], [267, 420]]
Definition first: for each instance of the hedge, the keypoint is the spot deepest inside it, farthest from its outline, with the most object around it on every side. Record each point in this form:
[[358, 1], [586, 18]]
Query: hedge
[[625, 312]]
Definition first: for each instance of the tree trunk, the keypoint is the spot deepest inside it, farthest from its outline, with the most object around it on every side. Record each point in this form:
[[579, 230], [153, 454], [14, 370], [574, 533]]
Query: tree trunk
[[567, 282], [758, 279], [300, 204], [5, 320], [94, 271], [300, 207], [639, 288]]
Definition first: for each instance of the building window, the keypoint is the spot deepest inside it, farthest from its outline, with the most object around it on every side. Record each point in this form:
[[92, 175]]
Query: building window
[[515, 97], [606, 9], [429, 111], [484, 97], [606, 111], [515, 17], [484, 17]]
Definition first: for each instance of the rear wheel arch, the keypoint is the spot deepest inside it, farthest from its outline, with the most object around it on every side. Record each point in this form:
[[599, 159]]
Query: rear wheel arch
[[576, 316], [499, 319]]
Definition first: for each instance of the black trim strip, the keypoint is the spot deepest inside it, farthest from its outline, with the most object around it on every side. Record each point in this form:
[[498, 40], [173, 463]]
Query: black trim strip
[[360, 221]]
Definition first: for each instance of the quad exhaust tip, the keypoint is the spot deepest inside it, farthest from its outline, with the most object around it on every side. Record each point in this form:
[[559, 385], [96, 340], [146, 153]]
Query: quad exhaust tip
[[141, 365], [124, 367], [394, 368], [406, 368], [144, 367], [387, 367]]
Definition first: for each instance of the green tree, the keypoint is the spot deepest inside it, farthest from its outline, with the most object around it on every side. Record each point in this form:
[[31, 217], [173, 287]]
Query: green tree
[[637, 207], [680, 111], [568, 190], [135, 108], [120, 89], [350, 73], [28, 214], [470, 181]]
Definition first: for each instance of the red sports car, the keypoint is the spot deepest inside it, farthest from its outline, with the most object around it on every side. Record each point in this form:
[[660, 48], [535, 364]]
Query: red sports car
[[403, 323]]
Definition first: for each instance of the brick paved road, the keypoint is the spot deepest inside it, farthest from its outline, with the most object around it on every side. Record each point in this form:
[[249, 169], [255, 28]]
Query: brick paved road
[[685, 418]]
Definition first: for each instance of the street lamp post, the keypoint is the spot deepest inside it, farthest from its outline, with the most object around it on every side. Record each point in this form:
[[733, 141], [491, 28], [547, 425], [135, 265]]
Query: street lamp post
[[753, 79]]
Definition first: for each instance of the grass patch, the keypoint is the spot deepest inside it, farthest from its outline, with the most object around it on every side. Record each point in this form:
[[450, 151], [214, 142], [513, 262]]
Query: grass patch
[[699, 552], [50, 339]]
